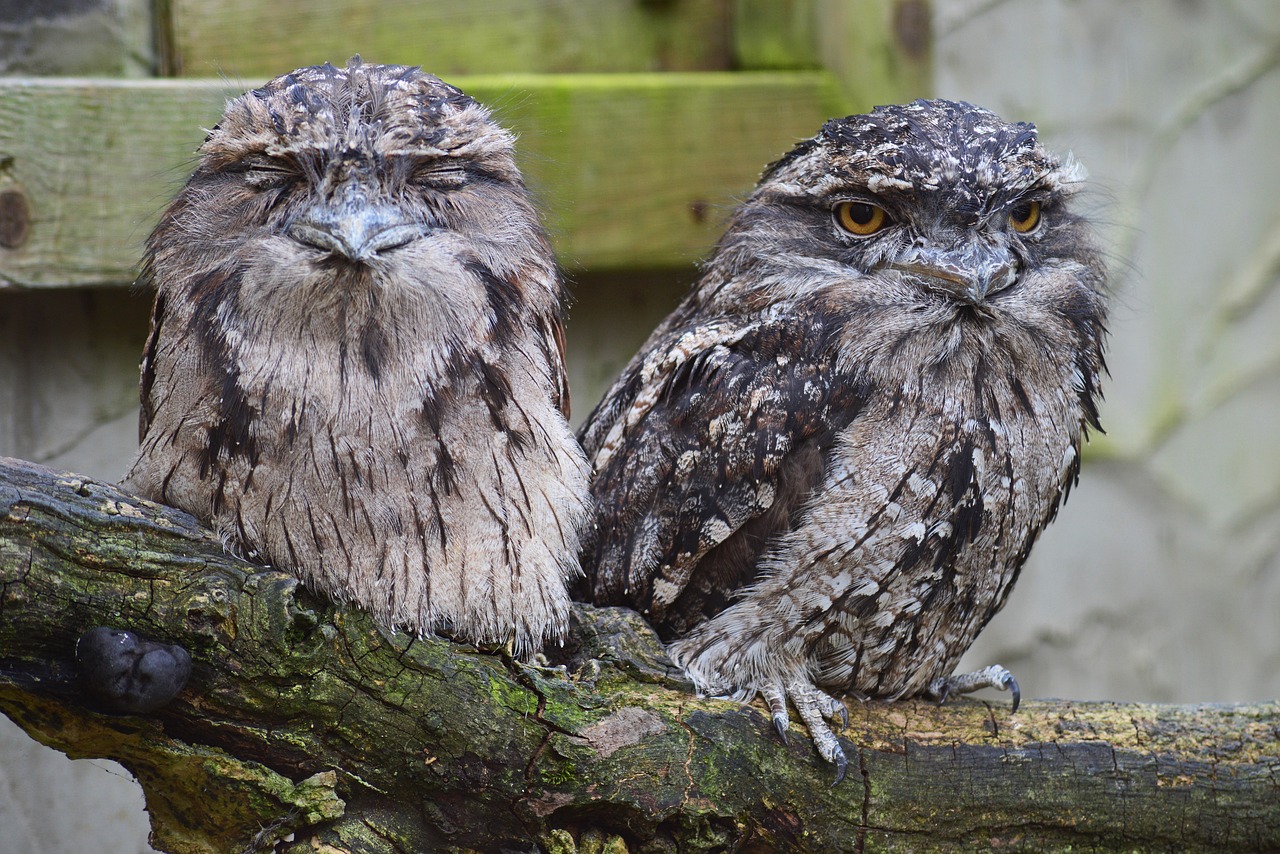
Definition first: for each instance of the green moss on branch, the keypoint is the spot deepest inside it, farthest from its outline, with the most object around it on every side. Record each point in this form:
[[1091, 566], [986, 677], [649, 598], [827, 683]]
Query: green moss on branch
[[306, 725]]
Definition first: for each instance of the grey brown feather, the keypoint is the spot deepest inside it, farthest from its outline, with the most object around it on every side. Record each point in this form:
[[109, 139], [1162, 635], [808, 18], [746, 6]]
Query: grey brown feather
[[824, 471], [355, 369]]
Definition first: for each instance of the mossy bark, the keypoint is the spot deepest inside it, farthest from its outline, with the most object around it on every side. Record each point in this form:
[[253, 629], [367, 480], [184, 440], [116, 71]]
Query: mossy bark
[[306, 727]]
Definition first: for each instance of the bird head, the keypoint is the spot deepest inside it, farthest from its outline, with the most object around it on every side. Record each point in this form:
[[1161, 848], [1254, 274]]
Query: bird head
[[377, 192], [938, 205]]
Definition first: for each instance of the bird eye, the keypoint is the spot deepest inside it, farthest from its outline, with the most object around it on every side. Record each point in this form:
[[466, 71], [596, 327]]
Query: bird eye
[[268, 174], [441, 175], [860, 218], [1025, 216]]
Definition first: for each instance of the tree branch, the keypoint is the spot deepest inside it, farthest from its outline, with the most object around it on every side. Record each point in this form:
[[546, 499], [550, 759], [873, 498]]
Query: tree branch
[[305, 725]]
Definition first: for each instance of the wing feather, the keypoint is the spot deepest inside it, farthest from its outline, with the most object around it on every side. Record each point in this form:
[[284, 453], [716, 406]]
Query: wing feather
[[692, 446], [147, 367]]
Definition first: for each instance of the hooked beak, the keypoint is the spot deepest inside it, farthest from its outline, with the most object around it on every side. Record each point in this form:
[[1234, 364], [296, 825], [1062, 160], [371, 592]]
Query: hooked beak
[[355, 228], [970, 272]]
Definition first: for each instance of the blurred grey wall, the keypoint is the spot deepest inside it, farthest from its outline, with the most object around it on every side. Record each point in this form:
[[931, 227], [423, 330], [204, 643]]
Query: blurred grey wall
[[1160, 581]]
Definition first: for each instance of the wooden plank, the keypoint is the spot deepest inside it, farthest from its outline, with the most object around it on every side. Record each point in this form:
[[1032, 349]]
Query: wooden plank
[[641, 171], [94, 161], [871, 46], [880, 46], [263, 38], [109, 37], [633, 170], [772, 35]]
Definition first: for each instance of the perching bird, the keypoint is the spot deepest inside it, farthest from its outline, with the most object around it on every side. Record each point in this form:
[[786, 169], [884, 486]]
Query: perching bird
[[356, 362], [824, 470]]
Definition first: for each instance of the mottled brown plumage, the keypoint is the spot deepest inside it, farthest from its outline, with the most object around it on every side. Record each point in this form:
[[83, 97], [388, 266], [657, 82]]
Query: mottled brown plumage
[[355, 369], [823, 472]]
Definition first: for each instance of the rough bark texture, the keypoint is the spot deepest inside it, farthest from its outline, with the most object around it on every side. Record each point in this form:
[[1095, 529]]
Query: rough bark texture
[[304, 726]]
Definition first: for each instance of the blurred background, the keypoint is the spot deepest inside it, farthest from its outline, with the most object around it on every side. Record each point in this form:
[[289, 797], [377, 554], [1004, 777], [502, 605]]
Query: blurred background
[[641, 121]]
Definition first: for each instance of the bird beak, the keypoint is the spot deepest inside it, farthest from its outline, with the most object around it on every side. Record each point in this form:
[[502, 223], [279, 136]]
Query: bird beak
[[354, 227], [969, 272]]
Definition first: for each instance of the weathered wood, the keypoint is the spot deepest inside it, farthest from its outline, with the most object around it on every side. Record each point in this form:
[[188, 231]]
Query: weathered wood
[[93, 162], [633, 170], [109, 37], [305, 722], [476, 37], [880, 48], [874, 46]]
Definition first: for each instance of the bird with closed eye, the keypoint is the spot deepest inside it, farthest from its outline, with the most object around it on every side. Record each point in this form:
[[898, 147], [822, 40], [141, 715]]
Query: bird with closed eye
[[356, 363]]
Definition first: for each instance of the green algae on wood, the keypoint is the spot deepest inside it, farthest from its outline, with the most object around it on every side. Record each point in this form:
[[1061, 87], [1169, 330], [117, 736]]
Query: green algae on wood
[[305, 725]]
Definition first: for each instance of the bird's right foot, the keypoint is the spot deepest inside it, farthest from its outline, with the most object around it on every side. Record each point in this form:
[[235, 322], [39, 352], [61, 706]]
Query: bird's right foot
[[994, 676], [815, 707]]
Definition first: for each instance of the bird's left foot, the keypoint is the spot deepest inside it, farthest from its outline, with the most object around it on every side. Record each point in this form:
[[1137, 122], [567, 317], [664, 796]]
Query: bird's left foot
[[815, 708], [994, 676]]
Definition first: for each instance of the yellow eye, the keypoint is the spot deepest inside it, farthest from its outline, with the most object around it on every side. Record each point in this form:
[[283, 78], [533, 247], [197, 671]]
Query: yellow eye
[[860, 218], [1025, 216]]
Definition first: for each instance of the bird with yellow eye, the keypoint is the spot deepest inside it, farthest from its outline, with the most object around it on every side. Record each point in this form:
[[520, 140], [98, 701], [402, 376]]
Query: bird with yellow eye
[[823, 473], [860, 218], [1025, 216], [864, 219]]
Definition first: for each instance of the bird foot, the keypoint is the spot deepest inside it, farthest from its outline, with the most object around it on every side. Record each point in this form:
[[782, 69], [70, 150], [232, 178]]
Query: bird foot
[[815, 708], [994, 676]]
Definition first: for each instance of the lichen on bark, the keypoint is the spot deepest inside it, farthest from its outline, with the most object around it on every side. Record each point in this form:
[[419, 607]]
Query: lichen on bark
[[306, 726]]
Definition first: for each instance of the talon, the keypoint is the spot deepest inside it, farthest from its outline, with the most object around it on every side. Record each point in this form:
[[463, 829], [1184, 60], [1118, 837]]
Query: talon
[[944, 692], [776, 699], [842, 765], [843, 711], [1012, 685]]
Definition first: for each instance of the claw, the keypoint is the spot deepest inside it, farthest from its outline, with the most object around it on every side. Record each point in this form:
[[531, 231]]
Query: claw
[[776, 699], [1012, 685], [780, 723], [815, 706], [939, 689], [842, 765]]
